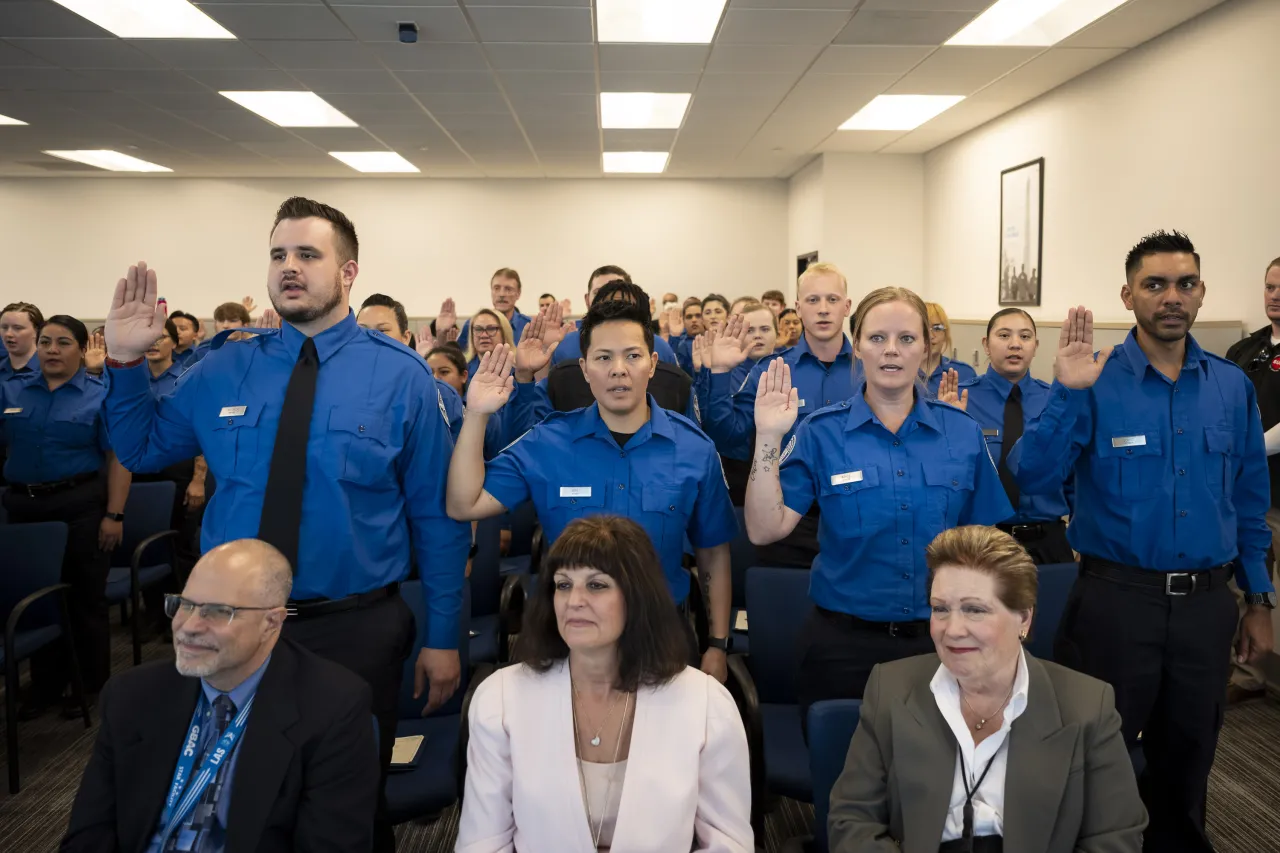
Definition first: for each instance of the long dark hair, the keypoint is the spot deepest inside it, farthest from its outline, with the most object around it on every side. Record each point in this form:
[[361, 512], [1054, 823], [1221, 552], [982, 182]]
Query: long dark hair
[[72, 325], [653, 648]]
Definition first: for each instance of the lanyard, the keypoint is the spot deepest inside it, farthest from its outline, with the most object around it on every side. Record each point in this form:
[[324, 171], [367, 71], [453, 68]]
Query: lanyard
[[969, 793], [183, 796]]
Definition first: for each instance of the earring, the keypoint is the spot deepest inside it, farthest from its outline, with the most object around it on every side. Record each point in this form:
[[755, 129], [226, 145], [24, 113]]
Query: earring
[[1023, 636]]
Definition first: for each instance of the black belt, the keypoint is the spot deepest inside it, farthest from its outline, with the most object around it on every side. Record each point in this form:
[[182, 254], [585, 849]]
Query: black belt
[[1029, 531], [1170, 583], [313, 607], [917, 628], [33, 489], [981, 844]]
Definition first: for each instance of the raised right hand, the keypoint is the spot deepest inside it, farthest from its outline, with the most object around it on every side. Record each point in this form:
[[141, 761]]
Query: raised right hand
[[777, 403], [447, 318], [532, 354], [729, 347], [675, 321], [135, 321], [426, 341], [491, 385], [1075, 365]]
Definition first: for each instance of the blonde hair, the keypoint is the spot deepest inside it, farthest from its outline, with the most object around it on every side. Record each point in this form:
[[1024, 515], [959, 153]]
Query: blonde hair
[[992, 552], [508, 337], [941, 314], [885, 295], [822, 268], [752, 304]]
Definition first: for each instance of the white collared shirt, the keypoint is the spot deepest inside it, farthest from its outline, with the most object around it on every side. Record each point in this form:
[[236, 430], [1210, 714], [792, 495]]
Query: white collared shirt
[[988, 800]]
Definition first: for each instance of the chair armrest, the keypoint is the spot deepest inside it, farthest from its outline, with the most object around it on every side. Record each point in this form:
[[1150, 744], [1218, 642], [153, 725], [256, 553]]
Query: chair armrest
[[135, 561], [743, 690], [20, 609], [511, 605], [479, 674], [537, 546]]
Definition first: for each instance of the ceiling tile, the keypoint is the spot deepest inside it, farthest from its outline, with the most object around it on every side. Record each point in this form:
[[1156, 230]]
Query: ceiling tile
[[235, 125], [1047, 71], [870, 59], [647, 81], [884, 26], [187, 101], [284, 22], [553, 82], [860, 142], [292, 147], [737, 86], [673, 58], [448, 82], [13, 57], [542, 57], [532, 24], [431, 57], [962, 70], [639, 140], [144, 81], [761, 58], [542, 103], [482, 123], [1137, 22], [87, 53], [237, 80], [819, 104], [379, 23], [336, 138], [202, 53], [383, 122], [446, 104], [779, 26], [929, 5], [336, 3], [349, 82], [50, 78], [846, 5], [329, 55], [43, 19]]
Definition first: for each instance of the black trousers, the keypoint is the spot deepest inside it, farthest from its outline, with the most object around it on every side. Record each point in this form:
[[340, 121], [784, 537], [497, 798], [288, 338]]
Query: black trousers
[[1045, 541], [837, 654], [84, 567], [373, 642], [1168, 659]]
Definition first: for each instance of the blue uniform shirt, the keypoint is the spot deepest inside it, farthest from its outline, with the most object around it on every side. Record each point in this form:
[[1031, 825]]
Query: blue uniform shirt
[[571, 349], [741, 448], [7, 372], [53, 435], [730, 415], [167, 381], [377, 458], [518, 322], [667, 479], [495, 433], [185, 359], [1168, 476], [988, 394], [965, 371], [883, 499]]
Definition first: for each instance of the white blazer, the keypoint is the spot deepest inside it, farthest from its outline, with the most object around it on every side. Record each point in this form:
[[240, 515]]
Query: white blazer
[[687, 783]]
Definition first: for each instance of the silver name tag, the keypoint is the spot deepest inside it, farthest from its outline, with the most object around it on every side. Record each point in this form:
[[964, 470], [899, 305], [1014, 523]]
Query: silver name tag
[[232, 411], [575, 491], [850, 477], [991, 433], [1129, 441], [800, 404], [13, 411]]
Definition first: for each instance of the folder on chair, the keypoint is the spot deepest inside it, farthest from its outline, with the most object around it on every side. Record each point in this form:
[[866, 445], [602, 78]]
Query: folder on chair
[[404, 754]]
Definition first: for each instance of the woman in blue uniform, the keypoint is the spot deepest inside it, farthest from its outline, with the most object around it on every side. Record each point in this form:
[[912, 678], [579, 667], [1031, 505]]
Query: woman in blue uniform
[[19, 325], [58, 452], [890, 469], [939, 346], [1003, 401]]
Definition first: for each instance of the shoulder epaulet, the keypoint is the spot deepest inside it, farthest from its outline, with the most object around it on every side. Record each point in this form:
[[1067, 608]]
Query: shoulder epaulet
[[391, 343], [682, 420], [222, 337], [1215, 357], [1041, 383], [971, 381], [951, 410], [826, 411]]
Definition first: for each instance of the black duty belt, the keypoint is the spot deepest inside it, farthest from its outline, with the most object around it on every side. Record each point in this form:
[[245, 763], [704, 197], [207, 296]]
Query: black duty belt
[[313, 607], [1030, 531], [917, 628], [1168, 583], [32, 490]]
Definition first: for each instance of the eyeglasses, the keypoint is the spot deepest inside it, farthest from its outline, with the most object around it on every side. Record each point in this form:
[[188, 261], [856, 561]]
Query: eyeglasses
[[486, 330], [217, 614], [939, 327]]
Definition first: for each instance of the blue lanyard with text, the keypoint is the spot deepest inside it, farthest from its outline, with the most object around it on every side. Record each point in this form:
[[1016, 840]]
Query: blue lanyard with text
[[183, 796]]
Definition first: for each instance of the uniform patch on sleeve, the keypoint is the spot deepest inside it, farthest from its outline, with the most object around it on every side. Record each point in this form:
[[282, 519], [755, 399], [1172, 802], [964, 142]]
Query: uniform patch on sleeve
[[444, 413], [517, 441], [697, 411], [791, 445]]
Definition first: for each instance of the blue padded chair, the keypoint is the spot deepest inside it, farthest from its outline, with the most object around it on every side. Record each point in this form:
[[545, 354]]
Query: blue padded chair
[[523, 521], [434, 783], [1055, 585], [136, 563], [4, 513], [494, 580], [742, 556], [33, 605], [831, 726], [763, 683]]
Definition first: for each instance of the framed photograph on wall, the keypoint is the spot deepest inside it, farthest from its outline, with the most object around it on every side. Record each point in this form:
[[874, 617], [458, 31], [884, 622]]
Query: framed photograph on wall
[[1021, 230]]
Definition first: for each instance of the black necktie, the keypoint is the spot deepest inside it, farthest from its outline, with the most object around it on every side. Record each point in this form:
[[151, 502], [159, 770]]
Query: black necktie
[[282, 505], [1012, 432]]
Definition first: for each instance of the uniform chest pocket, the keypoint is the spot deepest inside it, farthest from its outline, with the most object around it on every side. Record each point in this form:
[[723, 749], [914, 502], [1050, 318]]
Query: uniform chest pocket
[[573, 498], [948, 486], [363, 442], [1130, 463], [667, 510], [231, 443], [75, 430], [849, 499], [1220, 460]]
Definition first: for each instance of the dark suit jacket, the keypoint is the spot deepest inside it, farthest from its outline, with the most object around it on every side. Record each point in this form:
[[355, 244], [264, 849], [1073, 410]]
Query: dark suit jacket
[[306, 776], [1069, 786]]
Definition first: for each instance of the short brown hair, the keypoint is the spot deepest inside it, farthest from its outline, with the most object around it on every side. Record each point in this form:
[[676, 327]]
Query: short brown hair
[[884, 295], [692, 300], [32, 312], [231, 311], [993, 552], [775, 295], [508, 272], [344, 233], [608, 269], [653, 647], [1272, 265], [752, 305]]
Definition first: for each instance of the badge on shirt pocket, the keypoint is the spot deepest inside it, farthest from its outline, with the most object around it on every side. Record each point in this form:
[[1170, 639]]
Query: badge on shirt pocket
[[233, 411], [846, 478], [1129, 441], [575, 491], [17, 410]]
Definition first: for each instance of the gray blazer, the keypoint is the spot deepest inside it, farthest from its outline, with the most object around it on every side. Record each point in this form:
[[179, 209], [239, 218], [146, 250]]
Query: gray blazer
[[1069, 787]]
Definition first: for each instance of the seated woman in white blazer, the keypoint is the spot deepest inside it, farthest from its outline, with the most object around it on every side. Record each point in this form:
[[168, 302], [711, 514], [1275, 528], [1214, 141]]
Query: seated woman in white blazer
[[604, 739]]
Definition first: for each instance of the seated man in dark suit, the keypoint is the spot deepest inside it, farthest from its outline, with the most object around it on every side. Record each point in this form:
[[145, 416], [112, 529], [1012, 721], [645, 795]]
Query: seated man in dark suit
[[251, 744]]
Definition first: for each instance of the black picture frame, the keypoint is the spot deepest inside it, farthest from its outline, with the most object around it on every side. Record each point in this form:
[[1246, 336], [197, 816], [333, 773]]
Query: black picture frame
[[1020, 274]]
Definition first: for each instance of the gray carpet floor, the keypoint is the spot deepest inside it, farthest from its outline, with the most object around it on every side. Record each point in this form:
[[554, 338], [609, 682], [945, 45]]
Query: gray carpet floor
[[1244, 788]]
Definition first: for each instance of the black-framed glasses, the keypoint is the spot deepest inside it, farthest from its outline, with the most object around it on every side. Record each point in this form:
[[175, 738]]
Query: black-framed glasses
[[217, 614], [486, 330]]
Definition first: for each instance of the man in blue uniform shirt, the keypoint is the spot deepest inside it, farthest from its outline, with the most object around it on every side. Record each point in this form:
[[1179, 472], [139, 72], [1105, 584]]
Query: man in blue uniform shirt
[[569, 349], [1165, 442], [344, 494], [188, 350], [624, 454], [504, 292]]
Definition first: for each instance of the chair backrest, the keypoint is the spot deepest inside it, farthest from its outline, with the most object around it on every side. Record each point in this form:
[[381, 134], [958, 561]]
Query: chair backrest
[[831, 726], [486, 581], [148, 511], [4, 513], [410, 708], [777, 603], [1056, 580], [523, 518], [31, 559], [742, 556], [567, 388]]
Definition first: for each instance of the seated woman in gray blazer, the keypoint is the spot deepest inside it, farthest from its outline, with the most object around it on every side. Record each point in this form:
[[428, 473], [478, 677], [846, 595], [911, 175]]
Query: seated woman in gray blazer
[[981, 747]]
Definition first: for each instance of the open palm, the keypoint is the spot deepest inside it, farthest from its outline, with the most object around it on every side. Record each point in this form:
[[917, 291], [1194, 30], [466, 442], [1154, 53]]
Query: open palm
[[729, 345], [1075, 365], [134, 321], [491, 385], [777, 403]]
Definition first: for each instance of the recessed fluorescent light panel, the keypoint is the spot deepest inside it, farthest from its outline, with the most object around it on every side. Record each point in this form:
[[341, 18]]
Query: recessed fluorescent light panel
[[642, 110], [291, 109], [112, 161], [374, 161], [635, 162], [1032, 23], [658, 21], [900, 112], [7, 120], [149, 19]]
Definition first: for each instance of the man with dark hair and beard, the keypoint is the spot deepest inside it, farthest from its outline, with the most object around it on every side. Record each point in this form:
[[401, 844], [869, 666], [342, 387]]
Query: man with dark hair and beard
[[1165, 442], [327, 441]]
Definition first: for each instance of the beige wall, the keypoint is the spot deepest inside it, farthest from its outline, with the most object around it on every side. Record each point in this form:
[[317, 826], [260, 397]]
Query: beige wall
[[805, 217], [1179, 133], [66, 241]]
